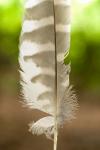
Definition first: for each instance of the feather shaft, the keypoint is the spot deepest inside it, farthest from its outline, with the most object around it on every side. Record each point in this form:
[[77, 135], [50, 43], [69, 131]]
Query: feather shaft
[[55, 116], [55, 134]]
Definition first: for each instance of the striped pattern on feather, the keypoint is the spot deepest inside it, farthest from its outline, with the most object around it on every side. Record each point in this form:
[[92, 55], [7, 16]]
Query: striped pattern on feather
[[44, 40]]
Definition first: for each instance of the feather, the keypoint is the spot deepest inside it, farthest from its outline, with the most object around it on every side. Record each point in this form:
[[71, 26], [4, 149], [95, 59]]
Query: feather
[[45, 38]]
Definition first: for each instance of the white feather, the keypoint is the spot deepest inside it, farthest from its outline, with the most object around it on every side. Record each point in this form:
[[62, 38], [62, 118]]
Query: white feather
[[45, 38]]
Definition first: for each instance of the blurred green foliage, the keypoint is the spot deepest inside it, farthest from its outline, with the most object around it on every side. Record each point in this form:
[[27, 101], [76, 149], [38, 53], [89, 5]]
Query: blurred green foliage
[[85, 45], [85, 39], [10, 24]]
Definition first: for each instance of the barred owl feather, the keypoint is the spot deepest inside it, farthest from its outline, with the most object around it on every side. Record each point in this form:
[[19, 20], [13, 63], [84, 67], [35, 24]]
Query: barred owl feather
[[45, 38]]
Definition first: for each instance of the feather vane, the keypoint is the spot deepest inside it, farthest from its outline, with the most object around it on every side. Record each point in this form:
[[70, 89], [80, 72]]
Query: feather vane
[[45, 38]]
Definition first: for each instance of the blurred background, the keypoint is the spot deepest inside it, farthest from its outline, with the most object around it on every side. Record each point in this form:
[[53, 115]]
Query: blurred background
[[82, 133]]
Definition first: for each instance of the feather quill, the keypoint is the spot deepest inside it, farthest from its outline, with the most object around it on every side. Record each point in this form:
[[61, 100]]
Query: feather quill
[[45, 38]]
